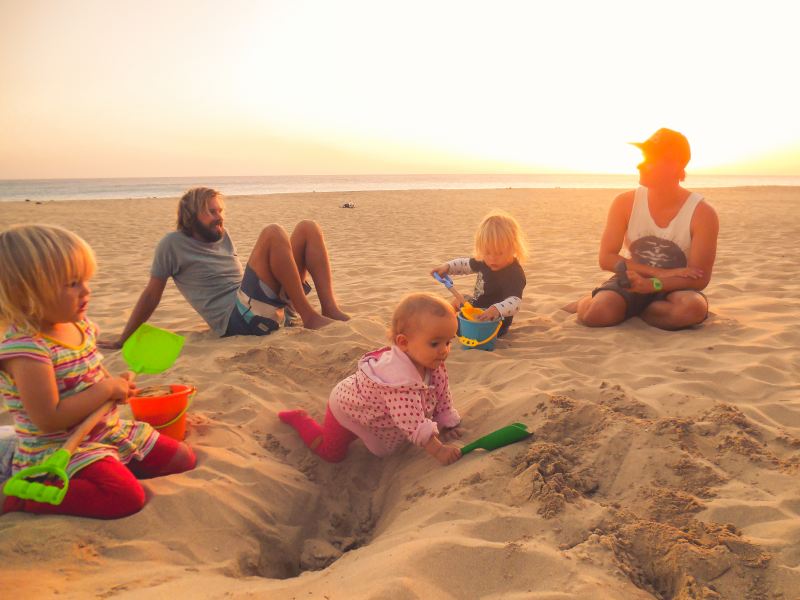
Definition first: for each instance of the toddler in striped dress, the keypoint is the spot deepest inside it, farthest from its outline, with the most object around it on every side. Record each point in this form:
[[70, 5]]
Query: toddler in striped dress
[[51, 379]]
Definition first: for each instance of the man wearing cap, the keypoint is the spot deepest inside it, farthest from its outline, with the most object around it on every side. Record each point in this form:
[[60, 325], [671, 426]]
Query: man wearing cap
[[669, 235]]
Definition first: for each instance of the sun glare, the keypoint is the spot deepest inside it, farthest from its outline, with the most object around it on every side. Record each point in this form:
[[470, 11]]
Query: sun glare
[[357, 87]]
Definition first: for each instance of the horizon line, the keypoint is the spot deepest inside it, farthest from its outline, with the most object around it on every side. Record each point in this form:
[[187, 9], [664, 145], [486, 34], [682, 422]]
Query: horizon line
[[471, 174]]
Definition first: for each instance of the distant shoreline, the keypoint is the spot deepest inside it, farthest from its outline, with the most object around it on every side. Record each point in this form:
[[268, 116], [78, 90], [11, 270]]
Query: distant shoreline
[[43, 190]]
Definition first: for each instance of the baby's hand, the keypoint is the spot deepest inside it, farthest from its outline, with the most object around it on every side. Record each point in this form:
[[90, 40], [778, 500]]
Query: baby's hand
[[448, 454], [453, 433], [122, 387], [490, 314], [441, 270]]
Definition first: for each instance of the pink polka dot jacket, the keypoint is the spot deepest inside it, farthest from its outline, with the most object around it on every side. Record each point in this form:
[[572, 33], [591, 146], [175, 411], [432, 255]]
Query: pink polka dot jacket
[[387, 404]]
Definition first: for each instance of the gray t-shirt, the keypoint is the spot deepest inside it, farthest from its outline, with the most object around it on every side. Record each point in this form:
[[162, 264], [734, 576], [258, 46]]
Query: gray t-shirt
[[207, 274]]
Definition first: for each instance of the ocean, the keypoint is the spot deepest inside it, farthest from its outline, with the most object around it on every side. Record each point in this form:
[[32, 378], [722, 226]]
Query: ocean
[[168, 187]]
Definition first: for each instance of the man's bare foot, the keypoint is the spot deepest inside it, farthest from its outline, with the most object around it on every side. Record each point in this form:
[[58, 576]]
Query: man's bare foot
[[336, 314], [571, 308], [316, 321]]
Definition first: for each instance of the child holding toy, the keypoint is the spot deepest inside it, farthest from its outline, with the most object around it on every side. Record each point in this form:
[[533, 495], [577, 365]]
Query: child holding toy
[[399, 394], [51, 379], [500, 251]]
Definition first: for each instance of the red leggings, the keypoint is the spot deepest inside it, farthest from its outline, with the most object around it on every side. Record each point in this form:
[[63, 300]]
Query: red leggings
[[107, 489], [332, 438]]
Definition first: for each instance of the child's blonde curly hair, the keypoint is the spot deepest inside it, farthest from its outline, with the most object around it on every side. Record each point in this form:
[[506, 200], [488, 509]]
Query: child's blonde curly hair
[[498, 232], [38, 261]]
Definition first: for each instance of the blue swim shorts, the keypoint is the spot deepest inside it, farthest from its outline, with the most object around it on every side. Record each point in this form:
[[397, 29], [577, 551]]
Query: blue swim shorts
[[257, 309]]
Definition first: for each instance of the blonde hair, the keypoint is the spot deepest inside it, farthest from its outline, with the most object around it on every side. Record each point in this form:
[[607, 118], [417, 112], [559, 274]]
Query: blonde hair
[[498, 232], [191, 204], [38, 260], [406, 315]]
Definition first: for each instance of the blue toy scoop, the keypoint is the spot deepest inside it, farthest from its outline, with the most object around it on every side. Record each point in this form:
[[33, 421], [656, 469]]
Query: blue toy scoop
[[443, 279]]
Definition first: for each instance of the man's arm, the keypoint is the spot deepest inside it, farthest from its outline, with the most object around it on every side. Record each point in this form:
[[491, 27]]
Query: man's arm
[[614, 233], [703, 253], [147, 303]]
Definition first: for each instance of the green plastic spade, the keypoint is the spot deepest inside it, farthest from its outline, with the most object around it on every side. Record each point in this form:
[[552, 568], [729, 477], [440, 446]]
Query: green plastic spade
[[151, 350], [497, 439], [40, 482]]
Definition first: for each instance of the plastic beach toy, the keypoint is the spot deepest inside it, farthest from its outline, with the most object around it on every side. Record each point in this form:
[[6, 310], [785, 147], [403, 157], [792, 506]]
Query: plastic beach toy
[[474, 333], [154, 350], [497, 439], [448, 283], [164, 409], [151, 349], [443, 279], [40, 482]]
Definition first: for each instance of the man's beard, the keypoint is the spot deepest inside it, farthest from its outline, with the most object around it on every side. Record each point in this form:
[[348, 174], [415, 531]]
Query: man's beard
[[208, 234]]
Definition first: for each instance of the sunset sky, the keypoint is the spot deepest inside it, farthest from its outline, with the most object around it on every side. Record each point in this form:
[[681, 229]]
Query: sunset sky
[[172, 88]]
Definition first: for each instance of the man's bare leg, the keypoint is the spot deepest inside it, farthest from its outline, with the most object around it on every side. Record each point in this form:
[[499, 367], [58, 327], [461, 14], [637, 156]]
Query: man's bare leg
[[273, 261], [680, 309], [311, 254], [604, 309]]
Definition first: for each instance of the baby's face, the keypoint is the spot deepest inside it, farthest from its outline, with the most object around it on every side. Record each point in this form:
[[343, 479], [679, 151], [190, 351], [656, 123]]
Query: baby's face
[[428, 344], [497, 259]]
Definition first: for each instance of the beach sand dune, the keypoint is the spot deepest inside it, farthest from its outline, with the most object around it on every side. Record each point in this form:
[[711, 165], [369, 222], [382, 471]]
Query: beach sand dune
[[662, 465]]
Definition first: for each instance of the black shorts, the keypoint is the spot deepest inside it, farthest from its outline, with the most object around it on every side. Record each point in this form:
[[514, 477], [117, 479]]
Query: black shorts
[[635, 304]]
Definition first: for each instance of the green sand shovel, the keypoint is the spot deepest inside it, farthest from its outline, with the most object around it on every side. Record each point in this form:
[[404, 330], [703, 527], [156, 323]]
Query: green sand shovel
[[148, 350], [151, 349], [497, 439]]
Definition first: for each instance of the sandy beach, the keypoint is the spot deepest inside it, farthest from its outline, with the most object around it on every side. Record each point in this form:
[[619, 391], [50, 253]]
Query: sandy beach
[[663, 464]]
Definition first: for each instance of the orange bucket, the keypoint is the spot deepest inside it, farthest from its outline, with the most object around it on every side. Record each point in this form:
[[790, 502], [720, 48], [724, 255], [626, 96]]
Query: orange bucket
[[166, 413]]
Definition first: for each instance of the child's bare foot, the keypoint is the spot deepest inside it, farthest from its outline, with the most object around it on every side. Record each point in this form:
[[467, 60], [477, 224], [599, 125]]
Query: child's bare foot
[[336, 314], [316, 321]]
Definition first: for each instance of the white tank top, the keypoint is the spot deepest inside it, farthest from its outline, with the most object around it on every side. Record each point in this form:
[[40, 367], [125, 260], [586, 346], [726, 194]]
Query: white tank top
[[663, 247]]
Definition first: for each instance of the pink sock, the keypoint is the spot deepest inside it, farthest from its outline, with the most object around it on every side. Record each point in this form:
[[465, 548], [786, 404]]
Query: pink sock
[[334, 441], [307, 427]]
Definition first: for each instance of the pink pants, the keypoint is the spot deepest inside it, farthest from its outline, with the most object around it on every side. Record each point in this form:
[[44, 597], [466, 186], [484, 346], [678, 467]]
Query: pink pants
[[335, 438], [107, 489]]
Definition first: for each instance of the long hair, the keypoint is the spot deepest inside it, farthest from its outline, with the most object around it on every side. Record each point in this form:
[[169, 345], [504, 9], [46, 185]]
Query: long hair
[[38, 261], [191, 204]]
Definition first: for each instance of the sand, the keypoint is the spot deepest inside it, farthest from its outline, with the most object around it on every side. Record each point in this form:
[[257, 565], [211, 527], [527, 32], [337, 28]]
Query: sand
[[662, 465]]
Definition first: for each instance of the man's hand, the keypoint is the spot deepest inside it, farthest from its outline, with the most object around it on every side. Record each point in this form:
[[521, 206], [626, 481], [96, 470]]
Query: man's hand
[[109, 344], [639, 284], [490, 314]]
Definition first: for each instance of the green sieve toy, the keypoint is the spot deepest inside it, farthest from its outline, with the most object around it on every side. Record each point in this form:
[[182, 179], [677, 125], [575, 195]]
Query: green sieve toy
[[497, 439]]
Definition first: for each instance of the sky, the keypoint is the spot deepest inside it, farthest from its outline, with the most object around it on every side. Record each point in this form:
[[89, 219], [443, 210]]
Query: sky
[[98, 88]]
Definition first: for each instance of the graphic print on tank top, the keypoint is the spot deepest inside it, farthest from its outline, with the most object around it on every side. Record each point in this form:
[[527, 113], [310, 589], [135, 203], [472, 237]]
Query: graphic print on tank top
[[657, 252]]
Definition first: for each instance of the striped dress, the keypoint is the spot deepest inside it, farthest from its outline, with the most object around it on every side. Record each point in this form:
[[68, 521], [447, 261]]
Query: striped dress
[[76, 369]]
